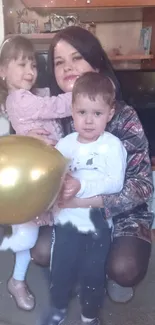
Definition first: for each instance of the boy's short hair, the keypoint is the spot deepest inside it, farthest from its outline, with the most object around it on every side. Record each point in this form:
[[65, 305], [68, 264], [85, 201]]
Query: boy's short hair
[[92, 84]]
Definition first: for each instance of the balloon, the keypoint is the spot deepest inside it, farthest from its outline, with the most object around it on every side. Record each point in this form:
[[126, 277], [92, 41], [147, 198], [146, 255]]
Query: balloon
[[31, 174]]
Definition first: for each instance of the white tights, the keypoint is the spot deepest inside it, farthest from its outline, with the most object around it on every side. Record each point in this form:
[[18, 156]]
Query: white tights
[[23, 238]]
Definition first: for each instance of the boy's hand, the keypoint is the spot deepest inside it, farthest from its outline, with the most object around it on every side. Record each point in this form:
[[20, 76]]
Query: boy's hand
[[70, 188]]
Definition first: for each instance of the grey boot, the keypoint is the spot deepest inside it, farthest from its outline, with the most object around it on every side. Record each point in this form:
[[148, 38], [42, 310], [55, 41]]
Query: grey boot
[[118, 293]]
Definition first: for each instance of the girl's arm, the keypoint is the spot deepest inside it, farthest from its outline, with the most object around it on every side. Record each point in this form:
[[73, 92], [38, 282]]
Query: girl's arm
[[24, 108]]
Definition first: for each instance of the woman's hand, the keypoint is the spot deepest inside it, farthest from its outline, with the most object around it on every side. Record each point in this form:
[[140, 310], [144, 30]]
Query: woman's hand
[[69, 204], [70, 188], [42, 134], [92, 202]]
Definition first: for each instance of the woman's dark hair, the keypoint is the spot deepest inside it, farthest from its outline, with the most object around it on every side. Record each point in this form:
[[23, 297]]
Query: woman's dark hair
[[91, 50]]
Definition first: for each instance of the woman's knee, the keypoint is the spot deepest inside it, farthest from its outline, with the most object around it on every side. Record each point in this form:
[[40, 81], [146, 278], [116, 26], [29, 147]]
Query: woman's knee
[[40, 256], [124, 271], [41, 252], [128, 260]]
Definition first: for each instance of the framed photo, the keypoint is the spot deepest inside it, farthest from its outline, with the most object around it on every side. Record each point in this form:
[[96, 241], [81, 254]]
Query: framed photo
[[24, 27]]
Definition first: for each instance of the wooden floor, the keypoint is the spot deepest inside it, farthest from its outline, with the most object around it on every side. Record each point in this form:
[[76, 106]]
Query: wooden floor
[[140, 311]]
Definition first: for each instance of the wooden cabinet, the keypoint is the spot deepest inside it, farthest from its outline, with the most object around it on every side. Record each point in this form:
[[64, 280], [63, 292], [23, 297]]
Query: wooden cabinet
[[87, 3]]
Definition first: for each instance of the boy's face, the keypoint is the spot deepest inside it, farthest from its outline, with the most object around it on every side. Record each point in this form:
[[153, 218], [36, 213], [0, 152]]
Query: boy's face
[[90, 117]]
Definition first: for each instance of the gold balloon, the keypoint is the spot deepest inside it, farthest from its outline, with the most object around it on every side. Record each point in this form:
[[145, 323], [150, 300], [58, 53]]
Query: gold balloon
[[31, 174]]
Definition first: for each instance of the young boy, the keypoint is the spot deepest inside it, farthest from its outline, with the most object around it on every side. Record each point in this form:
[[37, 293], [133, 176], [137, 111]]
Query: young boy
[[82, 235]]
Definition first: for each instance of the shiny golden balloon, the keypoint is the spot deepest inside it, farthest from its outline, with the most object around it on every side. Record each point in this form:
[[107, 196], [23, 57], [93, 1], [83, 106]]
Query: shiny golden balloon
[[31, 174]]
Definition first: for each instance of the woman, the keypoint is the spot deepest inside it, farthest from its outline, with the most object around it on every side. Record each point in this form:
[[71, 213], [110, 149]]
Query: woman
[[74, 51]]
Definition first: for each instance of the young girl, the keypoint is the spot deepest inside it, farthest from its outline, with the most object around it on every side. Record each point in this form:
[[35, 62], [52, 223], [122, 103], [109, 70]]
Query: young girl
[[27, 111], [82, 236]]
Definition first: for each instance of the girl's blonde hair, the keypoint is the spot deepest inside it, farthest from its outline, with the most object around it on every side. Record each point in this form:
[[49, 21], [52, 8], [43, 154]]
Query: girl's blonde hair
[[12, 49]]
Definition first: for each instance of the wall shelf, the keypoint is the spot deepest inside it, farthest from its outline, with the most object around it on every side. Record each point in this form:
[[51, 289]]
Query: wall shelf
[[40, 37], [44, 38], [131, 57]]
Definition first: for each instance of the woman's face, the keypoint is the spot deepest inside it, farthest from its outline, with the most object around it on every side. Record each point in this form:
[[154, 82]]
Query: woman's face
[[68, 65]]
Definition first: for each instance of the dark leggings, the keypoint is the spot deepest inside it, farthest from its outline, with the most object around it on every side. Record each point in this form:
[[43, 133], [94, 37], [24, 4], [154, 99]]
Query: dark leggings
[[79, 257], [127, 263]]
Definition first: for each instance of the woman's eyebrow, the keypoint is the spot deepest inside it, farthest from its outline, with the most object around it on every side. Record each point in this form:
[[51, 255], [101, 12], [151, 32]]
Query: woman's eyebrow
[[58, 57], [75, 52]]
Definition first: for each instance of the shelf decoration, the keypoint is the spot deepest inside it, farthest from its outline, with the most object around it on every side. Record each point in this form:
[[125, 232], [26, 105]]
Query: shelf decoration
[[26, 26], [57, 22], [60, 22], [145, 40]]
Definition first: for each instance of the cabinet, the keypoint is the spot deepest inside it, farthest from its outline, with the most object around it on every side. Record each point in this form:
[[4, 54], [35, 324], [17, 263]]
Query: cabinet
[[87, 3]]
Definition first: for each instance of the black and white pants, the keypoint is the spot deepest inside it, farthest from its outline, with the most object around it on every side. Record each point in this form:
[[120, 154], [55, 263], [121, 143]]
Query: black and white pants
[[79, 257]]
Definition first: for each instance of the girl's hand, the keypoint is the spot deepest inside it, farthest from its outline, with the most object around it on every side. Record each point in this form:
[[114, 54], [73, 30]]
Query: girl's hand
[[42, 134], [45, 219], [70, 188], [38, 133]]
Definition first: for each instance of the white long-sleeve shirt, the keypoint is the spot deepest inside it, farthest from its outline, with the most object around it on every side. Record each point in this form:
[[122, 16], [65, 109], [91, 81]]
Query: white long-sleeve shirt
[[100, 167]]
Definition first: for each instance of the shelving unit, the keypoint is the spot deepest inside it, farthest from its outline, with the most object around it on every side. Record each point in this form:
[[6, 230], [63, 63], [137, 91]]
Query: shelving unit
[[42, 40]]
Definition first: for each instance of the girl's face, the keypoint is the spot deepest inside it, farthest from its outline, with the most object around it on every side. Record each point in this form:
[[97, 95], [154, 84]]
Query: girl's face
[[68, 65], [20, 73]]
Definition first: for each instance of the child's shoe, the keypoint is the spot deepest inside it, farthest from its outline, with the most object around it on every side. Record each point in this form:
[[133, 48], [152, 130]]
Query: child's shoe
[[95, 321], [19, 290], [56, 317]]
